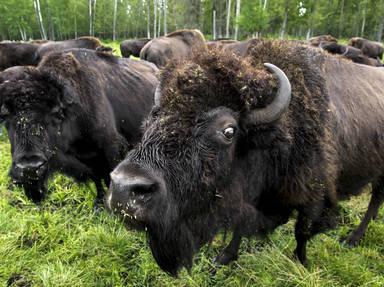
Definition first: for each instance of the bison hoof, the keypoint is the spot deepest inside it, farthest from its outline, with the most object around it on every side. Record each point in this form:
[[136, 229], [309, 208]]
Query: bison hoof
[[224, 258], [98, 205], [352, 240]]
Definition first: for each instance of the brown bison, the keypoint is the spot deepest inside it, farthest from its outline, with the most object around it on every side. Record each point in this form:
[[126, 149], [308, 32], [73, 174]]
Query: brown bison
[[133, 47], [219, 44], [17, 54], [77, 113], [238, 144], [23, 54], [349, 52], [369, 48], [315, 41], [178, 45]]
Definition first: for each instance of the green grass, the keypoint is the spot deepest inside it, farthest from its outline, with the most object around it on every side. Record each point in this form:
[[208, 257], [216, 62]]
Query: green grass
[[65, 243]]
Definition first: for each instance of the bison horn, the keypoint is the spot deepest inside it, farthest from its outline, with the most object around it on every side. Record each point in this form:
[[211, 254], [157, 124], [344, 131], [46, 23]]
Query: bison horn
[[157, 96], [280, 103]]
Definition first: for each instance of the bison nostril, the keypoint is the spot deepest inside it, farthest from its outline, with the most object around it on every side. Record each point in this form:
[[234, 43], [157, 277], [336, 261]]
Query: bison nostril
[[33, 162], [143, 188], [134, 184]]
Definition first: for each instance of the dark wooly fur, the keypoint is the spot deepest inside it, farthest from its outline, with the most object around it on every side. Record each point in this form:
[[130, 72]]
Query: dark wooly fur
[[76, 113], [15, 54], [202, 165]]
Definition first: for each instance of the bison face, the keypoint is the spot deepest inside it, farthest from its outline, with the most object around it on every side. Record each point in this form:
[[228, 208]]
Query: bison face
[[33, 116], [173, 176]]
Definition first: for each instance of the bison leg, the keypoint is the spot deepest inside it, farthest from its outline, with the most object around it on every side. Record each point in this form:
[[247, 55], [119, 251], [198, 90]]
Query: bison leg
[[376, 201], [302, 235], [100, 194], [230, 253]]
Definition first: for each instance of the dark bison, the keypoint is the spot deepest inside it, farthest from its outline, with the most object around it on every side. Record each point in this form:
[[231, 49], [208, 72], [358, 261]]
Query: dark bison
[[24, 54], [133, 47], [315, 41], [219, 44], [17, 54], [370, 48], [349, 52], [241, 48], [178, 45], [82, 42], [76, 113], [237, 144]]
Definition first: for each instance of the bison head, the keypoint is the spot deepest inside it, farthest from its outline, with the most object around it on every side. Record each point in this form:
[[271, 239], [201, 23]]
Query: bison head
[[33, 107], [182, 182]]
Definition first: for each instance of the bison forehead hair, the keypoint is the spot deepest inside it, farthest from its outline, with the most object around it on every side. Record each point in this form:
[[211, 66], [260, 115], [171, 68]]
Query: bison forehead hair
[[28, 89], [214, 79]]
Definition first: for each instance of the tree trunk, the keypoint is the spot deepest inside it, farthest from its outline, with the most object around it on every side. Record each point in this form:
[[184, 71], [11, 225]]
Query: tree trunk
[[228, 18], [114, 20], [341, 19], [90, 17], [214, 25], [75, 19], [380, 30], [159, 18], [165, 16], [284, 26], [148, 19], [51, 29], [364, 16], [265, 4], [39, 18], [237, 18], [154, 17]]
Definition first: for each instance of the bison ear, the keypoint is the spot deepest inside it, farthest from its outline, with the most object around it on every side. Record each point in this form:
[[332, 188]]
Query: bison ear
[[63, 69]]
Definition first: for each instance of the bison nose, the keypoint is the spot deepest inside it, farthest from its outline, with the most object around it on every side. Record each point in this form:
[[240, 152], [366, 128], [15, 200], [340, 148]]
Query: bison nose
[[31, 161], [133, 184]]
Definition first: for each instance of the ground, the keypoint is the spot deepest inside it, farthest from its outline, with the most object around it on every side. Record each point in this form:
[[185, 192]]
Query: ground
[[65, 243]]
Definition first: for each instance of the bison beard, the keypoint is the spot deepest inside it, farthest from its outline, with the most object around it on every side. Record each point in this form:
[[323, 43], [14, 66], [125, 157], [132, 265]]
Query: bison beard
[[217, 154]]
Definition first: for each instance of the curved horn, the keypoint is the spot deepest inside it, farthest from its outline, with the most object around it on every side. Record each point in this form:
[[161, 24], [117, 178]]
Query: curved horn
[[157, 96], [279, 105], [346, 52]]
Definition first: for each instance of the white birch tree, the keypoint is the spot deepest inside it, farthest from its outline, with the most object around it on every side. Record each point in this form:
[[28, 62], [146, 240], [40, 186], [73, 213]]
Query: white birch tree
[[154, 17], [114, 20], [238, 3], [228, 18], [36, 4]]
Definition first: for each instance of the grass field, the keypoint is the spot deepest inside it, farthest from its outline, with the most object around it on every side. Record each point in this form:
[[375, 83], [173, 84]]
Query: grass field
[[64, 242]]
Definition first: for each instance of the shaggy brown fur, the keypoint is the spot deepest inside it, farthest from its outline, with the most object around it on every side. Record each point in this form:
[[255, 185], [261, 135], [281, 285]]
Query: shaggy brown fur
[[178, 45], [369, 48], [315, 41], [314, 155]]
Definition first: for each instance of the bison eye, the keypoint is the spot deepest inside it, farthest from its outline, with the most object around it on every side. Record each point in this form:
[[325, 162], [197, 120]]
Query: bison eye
[[229, 133]]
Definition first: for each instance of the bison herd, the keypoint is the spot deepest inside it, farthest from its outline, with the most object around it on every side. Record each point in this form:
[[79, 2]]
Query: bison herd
[[201, 136]]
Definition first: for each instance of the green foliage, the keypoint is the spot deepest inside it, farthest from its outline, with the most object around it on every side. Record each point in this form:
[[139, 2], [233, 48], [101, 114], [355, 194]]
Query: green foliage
[[63, 19]]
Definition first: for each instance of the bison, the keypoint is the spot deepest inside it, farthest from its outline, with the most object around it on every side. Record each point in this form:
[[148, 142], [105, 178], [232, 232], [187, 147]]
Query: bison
[[369, 48], [238, 144], [315, 41], [349, 52], [23, 54], [16, 54], [77, 113], [178, 45], [133, 47]]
